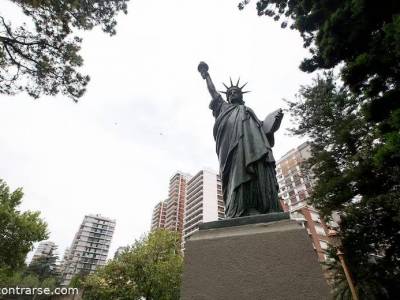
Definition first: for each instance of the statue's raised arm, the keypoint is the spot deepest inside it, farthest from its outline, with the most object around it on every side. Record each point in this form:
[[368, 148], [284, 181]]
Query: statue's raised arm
[[203, 69]]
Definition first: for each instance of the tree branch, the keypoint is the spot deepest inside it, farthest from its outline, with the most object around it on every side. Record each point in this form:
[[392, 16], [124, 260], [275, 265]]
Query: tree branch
[[7, 28], [17, 50], [18, 64]]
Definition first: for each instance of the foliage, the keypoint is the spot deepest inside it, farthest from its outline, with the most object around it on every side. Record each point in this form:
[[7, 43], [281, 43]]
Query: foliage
[[19, 278], [114, 281], [23, 279], [18, 230], [363, 34], [78, 280], [150, 269], [365, 288], [351, 180], [44, 59]]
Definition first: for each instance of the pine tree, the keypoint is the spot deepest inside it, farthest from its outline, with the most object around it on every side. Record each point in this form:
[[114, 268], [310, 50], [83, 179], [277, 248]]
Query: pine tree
[[45, 59], [349, 181]]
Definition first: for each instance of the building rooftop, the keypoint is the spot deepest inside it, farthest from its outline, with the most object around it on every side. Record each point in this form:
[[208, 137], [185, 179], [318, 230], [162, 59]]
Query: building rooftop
[[98, 216]]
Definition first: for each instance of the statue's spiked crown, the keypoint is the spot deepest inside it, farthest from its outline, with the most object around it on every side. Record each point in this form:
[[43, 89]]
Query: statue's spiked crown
[[234, 87]]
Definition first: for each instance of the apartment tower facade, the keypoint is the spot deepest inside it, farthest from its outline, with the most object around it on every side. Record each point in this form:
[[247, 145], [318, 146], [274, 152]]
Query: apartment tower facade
[[295, 186], [44, 249], [204, 202], [89, 248], [175, 205], [158, 218]]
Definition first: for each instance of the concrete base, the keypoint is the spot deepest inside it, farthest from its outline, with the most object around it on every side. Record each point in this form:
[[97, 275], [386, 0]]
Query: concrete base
[[259, 261]]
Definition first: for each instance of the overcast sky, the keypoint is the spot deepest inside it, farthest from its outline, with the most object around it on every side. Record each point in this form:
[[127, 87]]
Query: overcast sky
[[145, 114]]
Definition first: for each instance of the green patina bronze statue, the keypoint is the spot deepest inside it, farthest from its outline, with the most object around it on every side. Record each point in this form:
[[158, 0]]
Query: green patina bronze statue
[[244, 148]]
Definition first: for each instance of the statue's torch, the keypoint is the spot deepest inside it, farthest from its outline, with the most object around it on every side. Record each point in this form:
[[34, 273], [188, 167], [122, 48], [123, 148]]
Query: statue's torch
[[203, 69]]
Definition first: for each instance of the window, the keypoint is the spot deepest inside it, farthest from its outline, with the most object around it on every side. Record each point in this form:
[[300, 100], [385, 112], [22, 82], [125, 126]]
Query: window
[[302, 195]]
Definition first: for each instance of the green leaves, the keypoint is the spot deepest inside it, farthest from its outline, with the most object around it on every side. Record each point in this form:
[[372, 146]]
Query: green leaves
[[46, 60], [151, 269], [18, 230], [363, 36]]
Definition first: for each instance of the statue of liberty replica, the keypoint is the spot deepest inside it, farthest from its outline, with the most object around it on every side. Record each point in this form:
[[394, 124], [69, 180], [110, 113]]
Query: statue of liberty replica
[[244, 148], [250, 254]]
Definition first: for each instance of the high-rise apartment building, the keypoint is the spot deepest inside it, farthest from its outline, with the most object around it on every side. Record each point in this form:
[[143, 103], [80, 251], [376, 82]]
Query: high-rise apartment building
[[44, 249], [175, 206], [295, 185], [204, 202], [158, 218], [191, 201], [89, 248]]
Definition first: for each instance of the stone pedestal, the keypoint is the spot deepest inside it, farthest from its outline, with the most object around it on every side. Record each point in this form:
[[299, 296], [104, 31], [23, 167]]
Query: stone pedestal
[[255, 258]]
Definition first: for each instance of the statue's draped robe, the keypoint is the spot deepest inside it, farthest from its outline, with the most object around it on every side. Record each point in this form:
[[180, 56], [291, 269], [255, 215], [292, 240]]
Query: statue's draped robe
[[247, 166]]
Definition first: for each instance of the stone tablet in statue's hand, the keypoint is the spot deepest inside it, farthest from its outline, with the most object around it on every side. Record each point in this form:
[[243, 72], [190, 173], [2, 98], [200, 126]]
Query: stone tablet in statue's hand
[[273, 121], [279, 115]]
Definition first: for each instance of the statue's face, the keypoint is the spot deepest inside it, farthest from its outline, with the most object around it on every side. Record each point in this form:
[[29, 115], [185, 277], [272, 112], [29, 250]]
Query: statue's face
[[235, 96]]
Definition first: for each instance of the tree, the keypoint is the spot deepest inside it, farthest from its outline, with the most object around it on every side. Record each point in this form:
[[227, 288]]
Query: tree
[[18, 230], [150, 269], [78, 280], [18, 278], [45, 59], [350, 181], [363, 35], [366, 288], [23, 280], [113, 281]]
